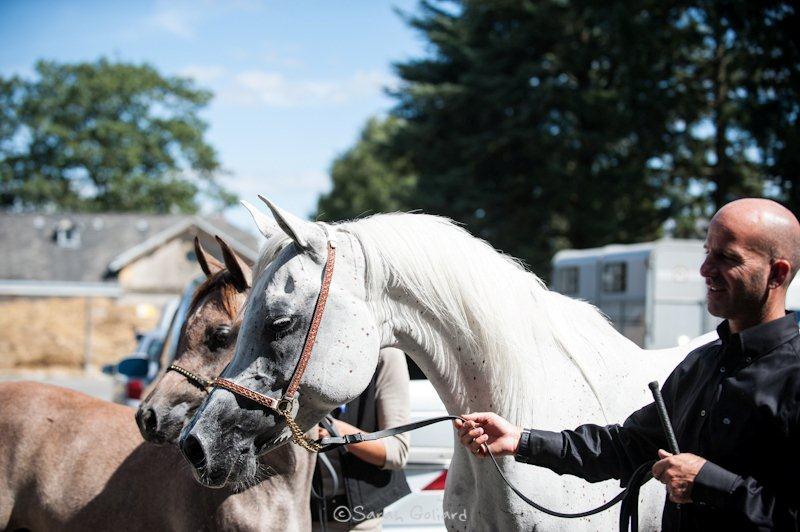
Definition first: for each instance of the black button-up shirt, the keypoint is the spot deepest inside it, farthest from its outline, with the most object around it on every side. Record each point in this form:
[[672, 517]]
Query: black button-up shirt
[[734, 402]]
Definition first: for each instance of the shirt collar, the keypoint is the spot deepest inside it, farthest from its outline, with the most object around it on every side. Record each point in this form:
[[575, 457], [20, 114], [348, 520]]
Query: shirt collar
[[759, 339]]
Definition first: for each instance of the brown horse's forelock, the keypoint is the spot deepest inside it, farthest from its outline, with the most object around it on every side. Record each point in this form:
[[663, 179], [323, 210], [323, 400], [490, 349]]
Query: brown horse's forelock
[[222, 281]]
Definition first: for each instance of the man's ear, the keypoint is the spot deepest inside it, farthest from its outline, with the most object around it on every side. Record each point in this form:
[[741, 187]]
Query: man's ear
[[779, 273]]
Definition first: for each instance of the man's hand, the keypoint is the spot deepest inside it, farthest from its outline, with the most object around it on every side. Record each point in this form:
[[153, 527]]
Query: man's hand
[[677, 472], [488, 428]]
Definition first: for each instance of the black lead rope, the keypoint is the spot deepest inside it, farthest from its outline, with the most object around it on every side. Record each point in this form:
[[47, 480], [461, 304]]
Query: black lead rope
[[629, 497]]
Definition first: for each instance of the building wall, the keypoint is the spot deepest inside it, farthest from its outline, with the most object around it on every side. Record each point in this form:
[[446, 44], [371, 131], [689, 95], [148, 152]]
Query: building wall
[[165, 271], [38, 332]]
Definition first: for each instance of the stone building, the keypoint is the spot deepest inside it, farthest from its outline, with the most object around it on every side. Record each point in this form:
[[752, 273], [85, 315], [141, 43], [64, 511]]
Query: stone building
[[75, 288]]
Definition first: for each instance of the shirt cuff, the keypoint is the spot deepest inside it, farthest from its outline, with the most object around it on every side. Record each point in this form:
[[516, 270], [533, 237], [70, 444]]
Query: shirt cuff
[[539, 447], [713, 485]]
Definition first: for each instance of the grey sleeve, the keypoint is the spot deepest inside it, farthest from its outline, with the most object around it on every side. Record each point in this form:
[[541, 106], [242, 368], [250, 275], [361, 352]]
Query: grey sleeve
[[392, 404]]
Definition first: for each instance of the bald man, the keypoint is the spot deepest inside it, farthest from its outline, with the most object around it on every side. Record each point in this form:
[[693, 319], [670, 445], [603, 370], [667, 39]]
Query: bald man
[[734, 403]]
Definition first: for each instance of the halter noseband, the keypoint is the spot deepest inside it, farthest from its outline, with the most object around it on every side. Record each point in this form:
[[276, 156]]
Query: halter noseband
[[198, 380], [287, 406]]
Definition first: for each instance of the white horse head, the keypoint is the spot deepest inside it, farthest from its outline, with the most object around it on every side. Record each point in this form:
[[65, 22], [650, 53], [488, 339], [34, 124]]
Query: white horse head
[[229, 432]]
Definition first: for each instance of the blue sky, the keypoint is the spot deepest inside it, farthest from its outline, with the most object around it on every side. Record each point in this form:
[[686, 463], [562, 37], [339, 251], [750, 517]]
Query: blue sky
[[294, 82]]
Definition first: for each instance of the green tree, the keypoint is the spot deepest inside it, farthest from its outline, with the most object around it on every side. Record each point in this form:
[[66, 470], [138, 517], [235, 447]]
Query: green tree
[[540, 124], [570, 123], [744, 71], [105, 136], [367, 178]]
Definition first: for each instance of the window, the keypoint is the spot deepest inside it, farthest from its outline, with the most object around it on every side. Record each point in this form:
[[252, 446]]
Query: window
[[567, 280], [66, 234], [613, 278]]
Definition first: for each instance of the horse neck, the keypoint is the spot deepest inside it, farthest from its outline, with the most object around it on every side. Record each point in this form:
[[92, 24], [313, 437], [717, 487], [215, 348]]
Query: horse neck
[[527, 385], [487, 333]]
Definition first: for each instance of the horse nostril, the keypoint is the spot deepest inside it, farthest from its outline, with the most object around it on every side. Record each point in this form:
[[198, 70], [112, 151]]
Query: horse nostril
[[193, 451], [148, 422]]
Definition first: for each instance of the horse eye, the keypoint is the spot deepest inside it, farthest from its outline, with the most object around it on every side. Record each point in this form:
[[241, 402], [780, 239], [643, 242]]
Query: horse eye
[[219, 337], [280, 327], [281, 323]]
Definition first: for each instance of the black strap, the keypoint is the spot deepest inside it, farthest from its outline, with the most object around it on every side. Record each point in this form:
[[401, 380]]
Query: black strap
[[629, 496], [320, 500], [329, 444]]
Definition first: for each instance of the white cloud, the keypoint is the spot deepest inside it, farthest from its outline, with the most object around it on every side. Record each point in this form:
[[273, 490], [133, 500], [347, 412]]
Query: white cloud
[[178, 18], [258, 87], [183, 18], [305, 181], [296, 191], [203, 73], [273, 57]]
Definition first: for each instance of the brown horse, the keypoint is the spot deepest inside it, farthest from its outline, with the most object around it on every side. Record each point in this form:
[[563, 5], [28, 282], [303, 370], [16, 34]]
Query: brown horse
[[72, 462]]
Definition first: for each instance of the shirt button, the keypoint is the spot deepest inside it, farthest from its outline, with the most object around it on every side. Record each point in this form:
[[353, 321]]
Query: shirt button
[[702, 413], [726, 421], [722, 369], [748, 360]]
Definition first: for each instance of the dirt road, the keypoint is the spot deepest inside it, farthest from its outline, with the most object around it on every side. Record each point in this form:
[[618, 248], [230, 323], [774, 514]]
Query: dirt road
[[92, 383]]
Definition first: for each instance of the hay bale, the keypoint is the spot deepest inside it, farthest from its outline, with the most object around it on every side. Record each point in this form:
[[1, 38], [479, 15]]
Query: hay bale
[[51, 332]]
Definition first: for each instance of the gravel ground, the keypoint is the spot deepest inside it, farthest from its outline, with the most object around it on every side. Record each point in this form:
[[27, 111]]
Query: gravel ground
[[90, 382]]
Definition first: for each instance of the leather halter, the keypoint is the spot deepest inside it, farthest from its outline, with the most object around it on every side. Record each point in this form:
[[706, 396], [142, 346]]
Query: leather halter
[[198, 380], [288, 405]]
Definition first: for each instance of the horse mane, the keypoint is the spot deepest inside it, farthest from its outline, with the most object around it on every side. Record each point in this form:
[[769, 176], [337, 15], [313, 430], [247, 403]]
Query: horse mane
[[271, 248], [503, 312]]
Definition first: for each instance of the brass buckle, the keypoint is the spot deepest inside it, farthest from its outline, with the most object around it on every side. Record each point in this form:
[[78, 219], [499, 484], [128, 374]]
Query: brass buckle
[[286, 406]]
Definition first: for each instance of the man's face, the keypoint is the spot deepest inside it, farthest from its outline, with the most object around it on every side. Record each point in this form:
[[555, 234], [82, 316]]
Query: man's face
[[736, 274]]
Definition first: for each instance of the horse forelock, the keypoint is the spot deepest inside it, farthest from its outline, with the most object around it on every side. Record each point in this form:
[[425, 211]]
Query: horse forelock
[[502, 311], [220, 283]]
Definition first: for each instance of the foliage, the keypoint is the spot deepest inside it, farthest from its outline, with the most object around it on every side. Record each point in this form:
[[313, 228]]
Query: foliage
[[744, 70], [105, 136], [538, 124], [568, 123]]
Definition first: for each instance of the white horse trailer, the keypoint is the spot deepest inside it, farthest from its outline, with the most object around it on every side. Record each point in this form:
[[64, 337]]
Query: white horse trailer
[[653, 292]]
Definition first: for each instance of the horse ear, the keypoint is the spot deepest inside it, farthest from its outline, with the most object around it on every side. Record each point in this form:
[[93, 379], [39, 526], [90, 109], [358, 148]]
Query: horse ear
[[239, 271], [267, 227], [304, 233], [208, 263]]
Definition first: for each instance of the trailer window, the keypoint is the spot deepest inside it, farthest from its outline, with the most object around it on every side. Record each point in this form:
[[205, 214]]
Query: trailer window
[[567, 280], [614, 274]]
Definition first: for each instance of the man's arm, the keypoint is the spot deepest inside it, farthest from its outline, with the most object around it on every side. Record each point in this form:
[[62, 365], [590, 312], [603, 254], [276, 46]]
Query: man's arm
[[721, 489], [596, 453], [393, 405], [592, 452]]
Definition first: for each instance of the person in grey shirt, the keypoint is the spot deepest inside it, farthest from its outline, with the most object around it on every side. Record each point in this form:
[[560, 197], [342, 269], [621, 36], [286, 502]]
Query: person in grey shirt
[[356, 503]]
